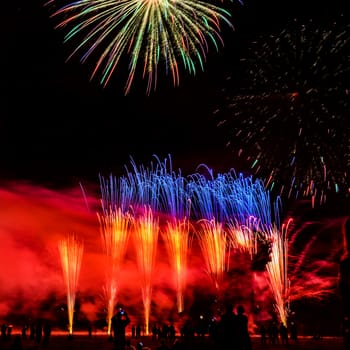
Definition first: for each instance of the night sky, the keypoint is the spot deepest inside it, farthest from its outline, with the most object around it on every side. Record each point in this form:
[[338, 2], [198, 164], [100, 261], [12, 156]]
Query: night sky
[[57, 127]]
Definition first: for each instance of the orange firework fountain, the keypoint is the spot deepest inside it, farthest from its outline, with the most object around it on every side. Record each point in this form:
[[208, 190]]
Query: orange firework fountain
[[213, 243], [71, 253], [242, 237], [176, 204], [146, 240], [114, 227], [277, 271], [176, 236]]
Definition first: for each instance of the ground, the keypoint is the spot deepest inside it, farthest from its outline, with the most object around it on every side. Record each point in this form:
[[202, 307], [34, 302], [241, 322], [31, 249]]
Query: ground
[[101, 342]]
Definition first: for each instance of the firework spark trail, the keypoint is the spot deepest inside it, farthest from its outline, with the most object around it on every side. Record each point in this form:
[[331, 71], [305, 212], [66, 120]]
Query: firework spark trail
[[207, 196], [248, 212], [176, 206], [307, 272], [277, 271], [146, 184], [242, 237], [148, 32], [176, 236], [296, 96], [71, 254], [115, 222], [115, 231], [248, 198], [313, 276], [210, 232], [146, 230], [116, 193], [213, 243], [235, 204]]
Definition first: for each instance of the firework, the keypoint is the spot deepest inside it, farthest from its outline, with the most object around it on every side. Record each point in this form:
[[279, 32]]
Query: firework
[[242, 237], [307, 270], [310, 262], [71, 253], [147, 32], [176, 206], [115, 221], [146, 240], [146, 184], [213, 243], [212, 237], [289, 119], [115, 229], [116, 193], [277, 271]]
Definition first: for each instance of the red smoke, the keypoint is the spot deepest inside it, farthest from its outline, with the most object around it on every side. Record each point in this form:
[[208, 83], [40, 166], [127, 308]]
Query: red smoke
[[33, 219]]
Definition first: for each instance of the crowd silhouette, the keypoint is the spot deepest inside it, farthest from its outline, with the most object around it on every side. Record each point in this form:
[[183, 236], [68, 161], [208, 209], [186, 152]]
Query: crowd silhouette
[[229, 330]]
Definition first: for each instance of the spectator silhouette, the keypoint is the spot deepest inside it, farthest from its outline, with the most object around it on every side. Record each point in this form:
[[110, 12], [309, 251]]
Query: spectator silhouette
[[119, 323], [17, 343], [273, 333], [32, 331], [283, 334], [293, 331], [24, 331], [154, 332], [138, 331], [47, 333], [262, 331], [129, 346], [3, 331], [172, 332], [89, 329], [243, 337], [38, 331], [162, 345], [227, 329], [9, 331]]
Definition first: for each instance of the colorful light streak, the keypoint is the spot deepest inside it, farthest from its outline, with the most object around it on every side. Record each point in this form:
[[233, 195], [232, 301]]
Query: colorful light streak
[[176, 237], [288, 120], [175, 202], [146, 231], [115, 232], [178, 202], [277, 271], [115, 221], [148, 32], [71, 254], [242, 237], [213, 243]]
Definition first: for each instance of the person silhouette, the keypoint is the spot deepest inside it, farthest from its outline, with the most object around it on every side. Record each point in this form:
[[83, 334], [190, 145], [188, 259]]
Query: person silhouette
[[47, 333], [262, 331], [17, 343], [293, 332], [227, 335], [243, 337], [119, 323], [283, 334], [38, 331]]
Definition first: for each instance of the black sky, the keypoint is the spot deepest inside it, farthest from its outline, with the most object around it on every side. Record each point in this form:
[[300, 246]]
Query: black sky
[[57, 127]]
